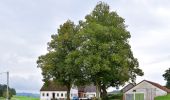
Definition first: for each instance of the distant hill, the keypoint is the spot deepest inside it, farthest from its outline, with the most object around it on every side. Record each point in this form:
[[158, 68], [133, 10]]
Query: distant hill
[[28, 95]]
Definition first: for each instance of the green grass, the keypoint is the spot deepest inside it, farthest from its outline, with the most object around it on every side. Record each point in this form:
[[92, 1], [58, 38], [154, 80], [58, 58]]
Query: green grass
[[167, 97], [20, 98]]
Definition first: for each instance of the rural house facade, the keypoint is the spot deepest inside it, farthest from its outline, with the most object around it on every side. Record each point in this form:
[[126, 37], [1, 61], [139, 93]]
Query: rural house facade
[[54, 91], [145, 90], [59, 92]]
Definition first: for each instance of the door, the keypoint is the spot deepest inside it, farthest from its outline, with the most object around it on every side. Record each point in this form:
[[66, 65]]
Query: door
[[53, 95], [139, 96]]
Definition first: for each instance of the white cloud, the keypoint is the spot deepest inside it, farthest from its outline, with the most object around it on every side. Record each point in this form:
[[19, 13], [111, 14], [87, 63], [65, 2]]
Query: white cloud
[[163, 12]]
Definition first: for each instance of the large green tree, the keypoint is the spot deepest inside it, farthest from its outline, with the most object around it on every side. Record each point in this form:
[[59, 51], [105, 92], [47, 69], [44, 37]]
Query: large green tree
[[96, 51], [55, 64], [105, 53], [166, 76]]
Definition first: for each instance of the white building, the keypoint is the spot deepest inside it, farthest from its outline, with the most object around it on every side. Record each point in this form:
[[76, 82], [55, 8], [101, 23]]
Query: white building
[[52, 91], [145, 90]]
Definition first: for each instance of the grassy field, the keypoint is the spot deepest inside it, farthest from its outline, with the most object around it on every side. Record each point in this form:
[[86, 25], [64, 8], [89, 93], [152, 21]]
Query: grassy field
[[167, 97], [21, 98]]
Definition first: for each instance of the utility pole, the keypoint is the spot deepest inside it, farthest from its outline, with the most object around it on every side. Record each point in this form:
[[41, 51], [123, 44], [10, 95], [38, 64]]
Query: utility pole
[[7, 86]]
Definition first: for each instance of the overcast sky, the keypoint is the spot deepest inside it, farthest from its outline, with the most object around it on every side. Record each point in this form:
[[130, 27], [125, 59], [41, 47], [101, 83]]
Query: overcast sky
[[26, 27]]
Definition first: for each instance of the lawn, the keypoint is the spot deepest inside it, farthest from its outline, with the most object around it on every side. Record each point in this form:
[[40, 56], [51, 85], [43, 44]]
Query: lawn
[[167, 97], [21, 98]]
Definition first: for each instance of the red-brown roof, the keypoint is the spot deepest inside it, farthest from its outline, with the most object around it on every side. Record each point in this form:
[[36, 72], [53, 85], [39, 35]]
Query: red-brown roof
[[159, 86], [53, 86]]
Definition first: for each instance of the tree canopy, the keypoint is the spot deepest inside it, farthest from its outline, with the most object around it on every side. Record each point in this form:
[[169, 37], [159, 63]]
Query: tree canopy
[[54, 64], [105, 49], [96, 51]]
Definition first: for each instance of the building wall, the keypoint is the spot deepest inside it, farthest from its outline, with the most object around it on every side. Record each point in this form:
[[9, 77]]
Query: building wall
[[89, 94], [74, 92], [48, 95], [150, 91]]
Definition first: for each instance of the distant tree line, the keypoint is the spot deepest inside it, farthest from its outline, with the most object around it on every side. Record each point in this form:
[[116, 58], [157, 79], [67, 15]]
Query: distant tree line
[[3, 91]]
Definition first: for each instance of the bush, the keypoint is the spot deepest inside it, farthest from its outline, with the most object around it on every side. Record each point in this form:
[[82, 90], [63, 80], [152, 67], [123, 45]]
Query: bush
[[115, 96]]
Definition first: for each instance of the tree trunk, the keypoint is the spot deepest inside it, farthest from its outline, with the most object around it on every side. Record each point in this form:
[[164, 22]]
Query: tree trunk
[[104, 93], [68, 91], [97, 90]]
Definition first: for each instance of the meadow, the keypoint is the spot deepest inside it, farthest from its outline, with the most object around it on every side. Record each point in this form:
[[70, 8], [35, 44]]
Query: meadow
[[21, 98], [167, 97]]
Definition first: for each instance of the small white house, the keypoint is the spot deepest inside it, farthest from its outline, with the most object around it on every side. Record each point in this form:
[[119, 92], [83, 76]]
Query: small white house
[[145, 90], [52, 91]]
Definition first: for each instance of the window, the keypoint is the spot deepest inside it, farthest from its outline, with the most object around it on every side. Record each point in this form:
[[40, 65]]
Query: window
[[47, 94], [61, 94], [42, 94], [65, 94], [57, 94]]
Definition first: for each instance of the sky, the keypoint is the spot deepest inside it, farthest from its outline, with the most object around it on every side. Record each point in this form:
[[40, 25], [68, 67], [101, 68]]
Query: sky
[[26, 27]]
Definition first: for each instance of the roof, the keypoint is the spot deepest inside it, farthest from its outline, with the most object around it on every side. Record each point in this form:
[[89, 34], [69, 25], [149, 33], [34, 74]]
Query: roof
[[53, 86], [155, 84], [127, 87], [89, 88], [159, 86]]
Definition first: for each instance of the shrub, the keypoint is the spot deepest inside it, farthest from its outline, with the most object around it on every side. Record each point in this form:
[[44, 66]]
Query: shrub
[[116, 96]]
